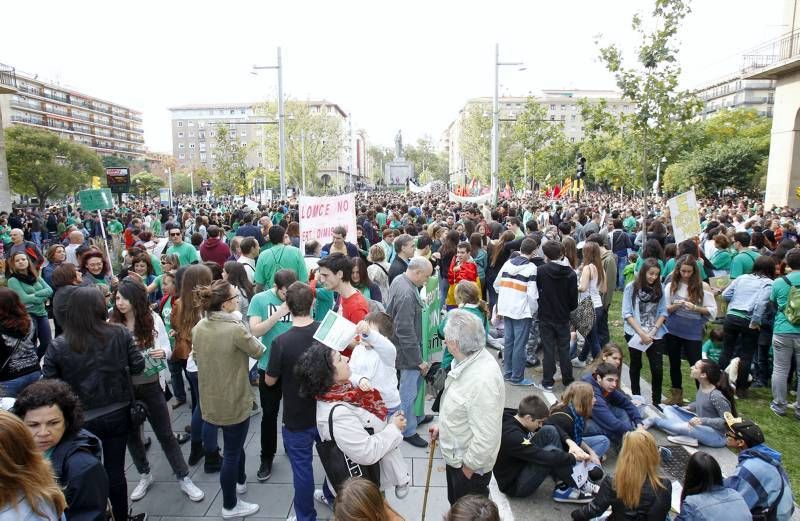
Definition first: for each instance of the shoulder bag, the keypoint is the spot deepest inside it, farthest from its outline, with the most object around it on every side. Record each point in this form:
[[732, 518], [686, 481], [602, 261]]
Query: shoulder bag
[[338, 466]]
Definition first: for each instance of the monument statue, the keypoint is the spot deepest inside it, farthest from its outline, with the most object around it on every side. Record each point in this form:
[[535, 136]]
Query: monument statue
[[398, 145]]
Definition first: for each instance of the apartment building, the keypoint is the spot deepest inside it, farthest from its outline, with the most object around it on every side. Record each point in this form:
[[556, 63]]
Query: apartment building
[[106, 127], [733, 92]]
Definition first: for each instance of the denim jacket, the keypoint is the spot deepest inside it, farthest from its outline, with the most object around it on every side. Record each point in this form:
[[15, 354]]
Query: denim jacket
[[749, 295], [631, 309], [718, 503]]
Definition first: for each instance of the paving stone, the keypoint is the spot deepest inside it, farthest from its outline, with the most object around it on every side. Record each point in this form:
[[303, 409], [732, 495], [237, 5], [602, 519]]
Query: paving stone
[[274, 499], [167, 499]]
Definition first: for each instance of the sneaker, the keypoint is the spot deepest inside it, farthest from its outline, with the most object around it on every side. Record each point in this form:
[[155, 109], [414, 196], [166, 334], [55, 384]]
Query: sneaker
[[401, 491], [525, 382], [137, 517], [683, 440], [544, 387], [242, 509], [416, 440], [571, 495], [578, 363], [141, 488], [777, 410], [319, 497], [191, 490], [241, 488], [264, 470]]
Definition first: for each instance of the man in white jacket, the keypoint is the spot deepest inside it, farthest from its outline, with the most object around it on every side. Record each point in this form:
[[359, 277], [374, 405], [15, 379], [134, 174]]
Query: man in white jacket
[[517, 302], [471, 417]]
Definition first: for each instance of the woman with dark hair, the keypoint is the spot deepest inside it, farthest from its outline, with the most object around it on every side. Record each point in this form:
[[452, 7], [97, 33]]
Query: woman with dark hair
[[687, 247], [235, 273], [360, 280], [446, 254], [19, 364], [479, 255], [703, 420], [142, 267], [53, 414], [222, 346], [131, 309], [497, 256], [652, 250], [96, 271], [96, 359], [689, 306], [33, 291], [591, 283], [323, 373], [56, 254], [362, 242], [644, 311], [705, 498], [361, 500], [293, 232]]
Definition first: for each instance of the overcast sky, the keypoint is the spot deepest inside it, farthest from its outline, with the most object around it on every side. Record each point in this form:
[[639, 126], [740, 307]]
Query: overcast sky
[[406, 65]]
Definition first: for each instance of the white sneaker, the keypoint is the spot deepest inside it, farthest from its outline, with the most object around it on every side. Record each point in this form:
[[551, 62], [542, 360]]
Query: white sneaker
[[191, 490], [401, 491], [141, 488], [319, 497], [576, 362], [683, 440], [241, 488], [242, 509]]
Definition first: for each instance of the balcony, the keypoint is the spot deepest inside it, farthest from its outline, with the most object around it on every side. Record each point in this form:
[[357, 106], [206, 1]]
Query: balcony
[[8, 79], [774, 58]]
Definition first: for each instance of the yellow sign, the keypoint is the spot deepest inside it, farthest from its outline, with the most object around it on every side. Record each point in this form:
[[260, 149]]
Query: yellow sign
[[685, 219]]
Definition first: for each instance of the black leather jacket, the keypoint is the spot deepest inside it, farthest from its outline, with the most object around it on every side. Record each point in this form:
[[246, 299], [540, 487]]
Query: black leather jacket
[[98, 376], [653, 504]]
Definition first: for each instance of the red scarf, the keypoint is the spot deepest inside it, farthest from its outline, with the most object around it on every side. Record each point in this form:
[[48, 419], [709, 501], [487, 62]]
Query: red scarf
[[348, 393]]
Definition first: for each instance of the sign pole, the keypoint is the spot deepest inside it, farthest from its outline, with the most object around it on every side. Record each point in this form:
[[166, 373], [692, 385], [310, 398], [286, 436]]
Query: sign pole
[[103, 231]]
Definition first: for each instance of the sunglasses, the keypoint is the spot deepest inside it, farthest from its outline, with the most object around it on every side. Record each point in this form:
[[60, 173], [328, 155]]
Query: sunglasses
[[175, 234]]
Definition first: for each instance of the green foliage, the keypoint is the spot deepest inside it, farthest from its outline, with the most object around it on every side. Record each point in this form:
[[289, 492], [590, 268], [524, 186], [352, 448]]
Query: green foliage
[[533, 131], [229, 164], [426, 160], [145, 183], [379, 156], [116, 161], [42, 164], [475, 142]]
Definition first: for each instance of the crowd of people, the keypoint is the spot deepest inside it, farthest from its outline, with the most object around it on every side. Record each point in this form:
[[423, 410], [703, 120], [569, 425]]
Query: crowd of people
[[214, 306]]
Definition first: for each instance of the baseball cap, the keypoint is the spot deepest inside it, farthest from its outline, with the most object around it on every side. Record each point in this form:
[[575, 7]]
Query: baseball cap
[[744, 429]]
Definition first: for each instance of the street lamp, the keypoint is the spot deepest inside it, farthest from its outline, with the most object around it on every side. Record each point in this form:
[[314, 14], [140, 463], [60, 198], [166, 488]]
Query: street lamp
[[281, 122], [496, 116], [657, 185]]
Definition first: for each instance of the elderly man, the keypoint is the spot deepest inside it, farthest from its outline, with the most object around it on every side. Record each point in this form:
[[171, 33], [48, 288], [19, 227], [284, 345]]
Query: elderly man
[[19, 244], [405, 307], [471, 415], [404, 247], [76, 239]]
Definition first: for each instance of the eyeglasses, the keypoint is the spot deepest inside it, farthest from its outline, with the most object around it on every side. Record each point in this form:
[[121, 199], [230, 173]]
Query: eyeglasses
[[231, 298]]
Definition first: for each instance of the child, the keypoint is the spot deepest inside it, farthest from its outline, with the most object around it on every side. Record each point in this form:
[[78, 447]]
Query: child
[[630, 269], [712, 347], [462, 267], [467, 295], [372, 363]]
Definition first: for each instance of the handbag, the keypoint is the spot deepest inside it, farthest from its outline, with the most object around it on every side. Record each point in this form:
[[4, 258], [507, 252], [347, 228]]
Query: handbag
[[582, 317], [11, 355], [338, 466], [137, 410]]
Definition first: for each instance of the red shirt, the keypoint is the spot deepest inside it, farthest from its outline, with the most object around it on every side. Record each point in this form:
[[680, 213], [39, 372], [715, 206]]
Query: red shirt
[[354, 309]]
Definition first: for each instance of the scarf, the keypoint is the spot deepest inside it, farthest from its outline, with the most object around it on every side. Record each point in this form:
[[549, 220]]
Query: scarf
[[25, 278], [577, 425], [348, 393], [645, 294]]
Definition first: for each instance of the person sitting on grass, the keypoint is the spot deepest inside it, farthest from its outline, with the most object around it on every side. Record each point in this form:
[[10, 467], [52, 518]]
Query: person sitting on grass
[[712, 347], [613, 413]]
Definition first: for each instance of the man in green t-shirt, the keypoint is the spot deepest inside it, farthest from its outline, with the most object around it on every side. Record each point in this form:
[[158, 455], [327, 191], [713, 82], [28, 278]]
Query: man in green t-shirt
[[743, 261], [279, 256], [186, 253], [269, 317], [785, 335]]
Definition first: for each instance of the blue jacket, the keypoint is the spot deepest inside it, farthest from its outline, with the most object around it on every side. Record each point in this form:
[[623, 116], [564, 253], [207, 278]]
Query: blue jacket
[[631, 310], [758, 478], [718, 503], [604, 417], [77, 462], [749, 295]]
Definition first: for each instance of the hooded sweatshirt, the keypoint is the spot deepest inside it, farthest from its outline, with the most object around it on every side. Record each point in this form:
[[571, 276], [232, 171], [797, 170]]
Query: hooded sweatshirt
[[215, 250], [758, 478], [604, 417], [517, 295], [77, 462], [558, 288]]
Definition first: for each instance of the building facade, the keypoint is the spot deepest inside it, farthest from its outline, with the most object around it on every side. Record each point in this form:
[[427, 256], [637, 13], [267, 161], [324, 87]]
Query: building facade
[[105, 127], [733, 92]]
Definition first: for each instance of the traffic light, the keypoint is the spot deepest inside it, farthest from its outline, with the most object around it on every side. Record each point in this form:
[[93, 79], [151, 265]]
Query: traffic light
[[581, 167]]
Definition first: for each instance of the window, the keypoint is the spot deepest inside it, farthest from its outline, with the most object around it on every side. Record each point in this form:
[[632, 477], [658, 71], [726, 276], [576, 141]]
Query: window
[[563, 107], [572, 117], [211, 133], [180, 123], [191, 146], [552, 117], [232, 111], [180, 134], [191, 134], [191, 155], [552, 107], [202, 147], [181, 156], [243, 144], [572, 139], [202, 157], [191, 123], [180, 145], [563, 117], [243, 133]]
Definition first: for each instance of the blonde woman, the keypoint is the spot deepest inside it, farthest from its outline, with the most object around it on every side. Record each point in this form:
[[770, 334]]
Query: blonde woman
[[637, 491], [591, 284]]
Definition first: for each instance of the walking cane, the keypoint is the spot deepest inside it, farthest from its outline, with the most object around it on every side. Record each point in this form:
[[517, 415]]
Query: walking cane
[[428, 478]]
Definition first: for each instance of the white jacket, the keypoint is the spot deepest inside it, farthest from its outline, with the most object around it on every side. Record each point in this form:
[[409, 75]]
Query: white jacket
[[349, 422], [377, 365], [517, 295], [471, 415]]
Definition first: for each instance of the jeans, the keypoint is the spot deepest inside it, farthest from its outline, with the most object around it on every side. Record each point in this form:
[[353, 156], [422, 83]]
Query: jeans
[[43, 333], [763, 366], [459, 486], [734, 329], [201, 430], [622, 261], [599, 443], [177, 368], [603, 334], [194, 387], [270, 398], [676, 348], [555, 342], [784, 348], [655, 359], [593, 429], [676, 421], [232, 471], [532, 474], [11, 388], [593, 338], [409, 387], [112, 429], [534, 339], [516, 338], [299, 446], [158, 416]]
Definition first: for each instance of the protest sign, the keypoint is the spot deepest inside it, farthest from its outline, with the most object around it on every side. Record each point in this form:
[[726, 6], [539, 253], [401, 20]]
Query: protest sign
[[92, 200], [683, 212], [335, 331], [320, 215]]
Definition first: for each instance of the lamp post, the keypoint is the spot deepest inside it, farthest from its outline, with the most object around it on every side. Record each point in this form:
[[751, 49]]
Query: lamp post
[[281, 122], [657, 185], [496, 118], [303, 158]]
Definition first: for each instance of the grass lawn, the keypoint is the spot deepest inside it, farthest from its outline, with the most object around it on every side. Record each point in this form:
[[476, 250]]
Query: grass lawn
[[780, 433]]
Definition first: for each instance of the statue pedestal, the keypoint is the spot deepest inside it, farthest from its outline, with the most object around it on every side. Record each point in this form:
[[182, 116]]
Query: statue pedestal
[[397, 172]]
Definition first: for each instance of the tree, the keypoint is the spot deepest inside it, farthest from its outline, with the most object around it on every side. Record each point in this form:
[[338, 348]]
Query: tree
[[145, 183], [475, 143], [229, 164], [42, 164], [429, 165], [533, 131], [379, 156]]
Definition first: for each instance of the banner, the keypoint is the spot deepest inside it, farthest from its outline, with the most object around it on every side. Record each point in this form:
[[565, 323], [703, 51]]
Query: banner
[[414, 189], [163, 194], [320, 215], [481, 199], [684, 216], [431, 343], [92, 200]]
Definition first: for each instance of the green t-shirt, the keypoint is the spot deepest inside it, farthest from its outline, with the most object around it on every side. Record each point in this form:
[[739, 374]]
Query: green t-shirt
[[640, 262], [185, 252], [166, 315], [779, 296], [263, 305], [279, 257], [380, 217], [712, 350], [742, 263], [669, 267], [447, 357], [721, 260], [629, 223], [157, 269]]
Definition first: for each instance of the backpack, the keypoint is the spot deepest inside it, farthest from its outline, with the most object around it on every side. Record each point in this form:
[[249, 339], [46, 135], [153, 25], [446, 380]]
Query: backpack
[[792, 308]]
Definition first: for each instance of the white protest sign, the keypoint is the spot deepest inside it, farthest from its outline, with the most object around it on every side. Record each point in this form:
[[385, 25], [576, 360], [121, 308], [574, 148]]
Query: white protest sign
[[683, 213], [320, 215], [335, 331]]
